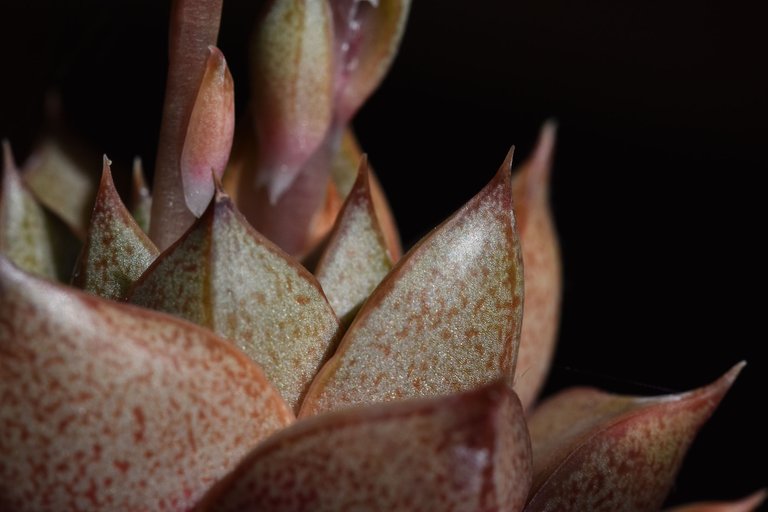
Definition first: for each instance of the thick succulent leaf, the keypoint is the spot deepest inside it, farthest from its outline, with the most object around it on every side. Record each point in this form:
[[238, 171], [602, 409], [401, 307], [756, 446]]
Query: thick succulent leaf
[[344, 167], [367, 35], [194, 27], [292, 70], [224, 275], [463, 452], [116, 250], [747, 504], [107, 406], [596, 451], [55, 173], [541, 268], [141, 198], [30, 236], [356, 257], [209, 133], [446, 319]]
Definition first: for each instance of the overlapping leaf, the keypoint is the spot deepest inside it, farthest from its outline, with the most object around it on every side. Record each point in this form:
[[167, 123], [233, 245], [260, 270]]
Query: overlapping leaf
[[446, 319], [111, 407]]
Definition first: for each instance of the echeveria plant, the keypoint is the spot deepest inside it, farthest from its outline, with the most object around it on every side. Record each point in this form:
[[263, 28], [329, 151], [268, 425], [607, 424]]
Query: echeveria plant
[[181, 356]]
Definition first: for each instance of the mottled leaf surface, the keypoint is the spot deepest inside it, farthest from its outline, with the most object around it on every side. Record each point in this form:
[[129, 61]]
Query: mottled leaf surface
[[541, 268], [224, 275], [356, 257], [447, 318], [467, 452], [107, 406], [116, 250], [30, 236], [601, 452]]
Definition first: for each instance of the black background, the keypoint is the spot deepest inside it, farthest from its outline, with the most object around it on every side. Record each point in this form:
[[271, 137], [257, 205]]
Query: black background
[[661, 107]]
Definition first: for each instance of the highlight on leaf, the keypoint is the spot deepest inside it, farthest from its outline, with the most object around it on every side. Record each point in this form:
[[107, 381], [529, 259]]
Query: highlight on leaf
[[446, 318]]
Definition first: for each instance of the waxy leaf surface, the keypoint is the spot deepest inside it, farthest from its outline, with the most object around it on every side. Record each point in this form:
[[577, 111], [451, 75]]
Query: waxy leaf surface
[[541, 268], [446, 319], [224, 275], [600, 452], [344, 166], [107, 406], [356, 257], [116, 250], [194, 27], [463, 452], [209, 133], [30, 236], [367, 35], [747, 504], [292, 70], [60, 180]]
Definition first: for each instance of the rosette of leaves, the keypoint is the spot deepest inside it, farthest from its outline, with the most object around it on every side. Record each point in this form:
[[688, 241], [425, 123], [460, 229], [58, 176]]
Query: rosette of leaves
[[180, 356]]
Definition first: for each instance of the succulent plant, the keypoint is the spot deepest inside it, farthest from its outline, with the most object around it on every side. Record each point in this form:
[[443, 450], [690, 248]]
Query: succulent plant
[[202, 366]]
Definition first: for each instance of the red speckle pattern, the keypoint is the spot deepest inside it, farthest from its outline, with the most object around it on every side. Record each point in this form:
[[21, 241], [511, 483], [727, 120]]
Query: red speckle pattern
[[599, 452], [467, 452], [446, 319], [111, 407]]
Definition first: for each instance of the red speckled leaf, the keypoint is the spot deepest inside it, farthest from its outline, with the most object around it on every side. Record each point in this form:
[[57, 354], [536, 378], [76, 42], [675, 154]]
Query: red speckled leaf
[[446, 319], [224, 275], [111, 407], [344, 174], [747, 504], [116, 250], [194, 27], [467, 452], [209, 133], [30, 236], [141, 198], [541, 268], [356, 257], [600, 452]]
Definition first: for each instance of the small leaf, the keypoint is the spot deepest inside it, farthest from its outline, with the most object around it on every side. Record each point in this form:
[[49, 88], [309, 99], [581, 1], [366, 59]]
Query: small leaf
[[61, 181], [30, 236], [446, 319], [747, 504], [600, 452], [141, 198], [209, 133], [356, 257], [292, 70], [367, 35], [111, 407], [224, 275], [116, 250], [344, 167], [463, 452], [194, 27], [541, 266]]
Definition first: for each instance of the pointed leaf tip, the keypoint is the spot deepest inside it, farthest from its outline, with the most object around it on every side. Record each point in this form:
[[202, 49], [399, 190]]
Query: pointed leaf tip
[[356, 257], [224, 275], [116, 251], [748, 504], [8, 161], [209, 133], [601, 452], [447, 317]]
